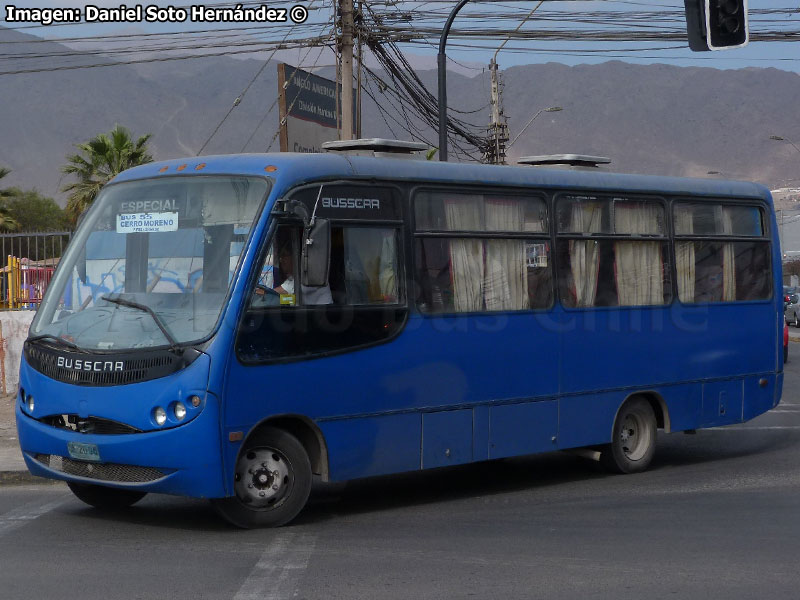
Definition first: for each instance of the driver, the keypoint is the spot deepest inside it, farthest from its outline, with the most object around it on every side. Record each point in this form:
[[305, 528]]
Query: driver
[[311, 294]]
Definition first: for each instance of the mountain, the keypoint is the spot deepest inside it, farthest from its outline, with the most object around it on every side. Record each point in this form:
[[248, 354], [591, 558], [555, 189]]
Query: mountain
[[656, 119]]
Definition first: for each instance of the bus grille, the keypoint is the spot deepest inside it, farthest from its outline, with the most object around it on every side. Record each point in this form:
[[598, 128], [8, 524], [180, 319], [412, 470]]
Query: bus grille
[[101, 471], [105, 369]]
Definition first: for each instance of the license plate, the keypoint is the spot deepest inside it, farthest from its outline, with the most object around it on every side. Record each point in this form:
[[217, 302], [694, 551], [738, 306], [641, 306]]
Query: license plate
[[81, 451]]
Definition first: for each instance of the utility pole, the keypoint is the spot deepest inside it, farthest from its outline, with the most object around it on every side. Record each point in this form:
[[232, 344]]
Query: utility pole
[[346, 11], [498, 128], [360, 19]]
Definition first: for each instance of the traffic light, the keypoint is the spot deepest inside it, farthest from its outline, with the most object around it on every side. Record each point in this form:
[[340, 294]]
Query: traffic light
[[716, 24]]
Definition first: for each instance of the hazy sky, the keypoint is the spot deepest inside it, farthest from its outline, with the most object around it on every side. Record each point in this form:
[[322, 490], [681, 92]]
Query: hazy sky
[[552, 15]]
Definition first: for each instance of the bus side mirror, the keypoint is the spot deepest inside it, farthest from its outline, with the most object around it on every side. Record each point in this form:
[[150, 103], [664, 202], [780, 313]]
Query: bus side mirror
[[316, 255]]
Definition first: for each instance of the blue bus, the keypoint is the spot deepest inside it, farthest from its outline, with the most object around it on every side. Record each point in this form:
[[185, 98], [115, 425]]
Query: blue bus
[[231, 327]]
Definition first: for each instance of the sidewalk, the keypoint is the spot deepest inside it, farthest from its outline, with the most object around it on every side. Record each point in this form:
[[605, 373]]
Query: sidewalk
[[12, 467]]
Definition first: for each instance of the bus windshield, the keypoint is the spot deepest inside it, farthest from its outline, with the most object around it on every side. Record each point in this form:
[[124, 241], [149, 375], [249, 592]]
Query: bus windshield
[[151, 264]]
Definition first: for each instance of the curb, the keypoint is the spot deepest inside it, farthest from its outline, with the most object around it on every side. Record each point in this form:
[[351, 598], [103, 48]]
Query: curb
[[24, 478]]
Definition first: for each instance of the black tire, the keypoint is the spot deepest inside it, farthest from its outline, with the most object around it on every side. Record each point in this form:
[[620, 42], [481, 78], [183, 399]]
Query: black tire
[[633, 441], [272, 481], [105, 498]]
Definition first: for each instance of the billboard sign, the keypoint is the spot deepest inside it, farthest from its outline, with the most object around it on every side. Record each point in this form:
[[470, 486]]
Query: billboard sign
[[308, 110]]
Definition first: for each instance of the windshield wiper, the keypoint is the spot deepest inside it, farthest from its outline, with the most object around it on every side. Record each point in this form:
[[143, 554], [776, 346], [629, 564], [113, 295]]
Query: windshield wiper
[[173, 344], [60, 340]]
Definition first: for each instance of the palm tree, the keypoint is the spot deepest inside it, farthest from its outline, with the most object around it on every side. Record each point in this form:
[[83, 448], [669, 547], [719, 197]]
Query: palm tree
[[100, 160], [3, 172], [7, 222]]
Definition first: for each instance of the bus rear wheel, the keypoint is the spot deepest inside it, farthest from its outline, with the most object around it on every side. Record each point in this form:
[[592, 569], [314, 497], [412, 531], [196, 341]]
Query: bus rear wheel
[[272, 481], [633, 442], [105, 497]]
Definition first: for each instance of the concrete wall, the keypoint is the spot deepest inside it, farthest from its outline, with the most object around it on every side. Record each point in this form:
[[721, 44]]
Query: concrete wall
[[15, 324]]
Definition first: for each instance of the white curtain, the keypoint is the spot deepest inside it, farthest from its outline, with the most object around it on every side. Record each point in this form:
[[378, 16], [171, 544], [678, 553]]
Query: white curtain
[[684, 254], [638, 263], [728, 268], [505, 274], [387, 268], [584, 255], [466, 256]]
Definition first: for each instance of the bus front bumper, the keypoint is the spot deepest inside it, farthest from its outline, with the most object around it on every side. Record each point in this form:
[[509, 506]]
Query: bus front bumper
[[183, 460]]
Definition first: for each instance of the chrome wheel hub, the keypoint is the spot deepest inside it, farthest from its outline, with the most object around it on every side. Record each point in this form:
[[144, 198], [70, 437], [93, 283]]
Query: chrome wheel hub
[[263, 478], [634, 437]]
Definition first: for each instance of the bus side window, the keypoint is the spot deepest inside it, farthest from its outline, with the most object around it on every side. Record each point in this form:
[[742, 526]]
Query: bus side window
[[612, 252], [369, 266], [726, 270], [361, 304], [495, 256]]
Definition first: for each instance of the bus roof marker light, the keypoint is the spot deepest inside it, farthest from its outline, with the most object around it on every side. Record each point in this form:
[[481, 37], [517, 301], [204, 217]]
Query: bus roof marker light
[[182, 167], [162, 169], [270, 168], [200, 167]]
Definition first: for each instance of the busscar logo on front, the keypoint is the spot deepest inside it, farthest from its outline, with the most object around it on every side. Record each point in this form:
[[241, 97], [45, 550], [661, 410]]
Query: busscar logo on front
[[361, 203], [97, 366]]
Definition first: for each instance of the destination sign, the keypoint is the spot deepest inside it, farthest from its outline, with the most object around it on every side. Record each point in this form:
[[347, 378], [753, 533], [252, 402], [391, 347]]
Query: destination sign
[[147, 222]]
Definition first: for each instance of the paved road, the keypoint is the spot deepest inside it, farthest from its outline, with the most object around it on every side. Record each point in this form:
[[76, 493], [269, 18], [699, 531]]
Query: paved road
[[716, 517]]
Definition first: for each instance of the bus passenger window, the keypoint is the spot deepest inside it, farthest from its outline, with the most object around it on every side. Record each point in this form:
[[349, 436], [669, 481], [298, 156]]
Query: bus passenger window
[[496, 263], [724, 270], [629, 269]]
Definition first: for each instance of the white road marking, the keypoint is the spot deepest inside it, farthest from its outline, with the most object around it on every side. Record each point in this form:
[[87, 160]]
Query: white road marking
[[754, 428], [277, 573], [16, 518]]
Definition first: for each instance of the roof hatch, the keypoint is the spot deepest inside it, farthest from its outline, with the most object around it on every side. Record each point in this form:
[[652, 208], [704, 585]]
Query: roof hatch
[[378, 147], [574, 161]]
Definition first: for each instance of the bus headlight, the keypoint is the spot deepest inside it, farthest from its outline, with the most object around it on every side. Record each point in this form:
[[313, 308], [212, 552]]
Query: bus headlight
[[159, 416], [180, 411], [30, 403]]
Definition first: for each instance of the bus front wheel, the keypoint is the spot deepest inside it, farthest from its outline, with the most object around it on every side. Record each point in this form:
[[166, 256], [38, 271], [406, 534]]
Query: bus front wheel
[[633, 442], [272, 481], [105, 497]]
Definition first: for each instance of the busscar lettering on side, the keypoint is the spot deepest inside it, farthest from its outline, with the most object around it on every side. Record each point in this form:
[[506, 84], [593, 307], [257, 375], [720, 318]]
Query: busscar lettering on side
[[360, 203]]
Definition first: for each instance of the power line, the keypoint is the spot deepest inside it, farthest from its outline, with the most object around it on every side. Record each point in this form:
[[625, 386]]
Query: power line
[[287, 46], [241, 96]]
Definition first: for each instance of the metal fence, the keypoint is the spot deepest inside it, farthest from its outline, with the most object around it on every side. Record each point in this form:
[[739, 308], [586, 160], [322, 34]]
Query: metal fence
[[28, 261]]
